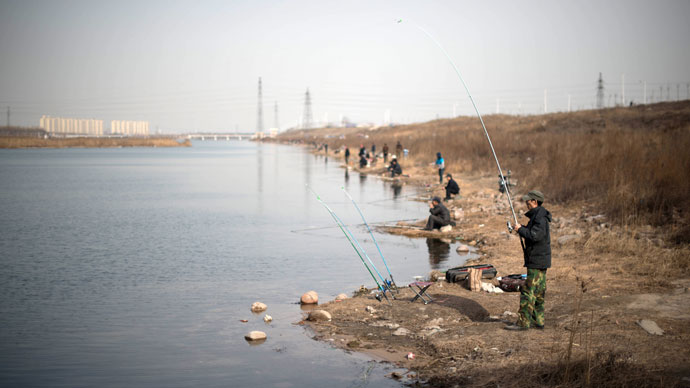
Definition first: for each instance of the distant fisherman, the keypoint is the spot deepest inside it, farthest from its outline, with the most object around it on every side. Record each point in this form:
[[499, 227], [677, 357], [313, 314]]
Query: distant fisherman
[[451, 187], [385, 153], [347, 155], [441, 164], [440, 216], [537, 259], [395, 168]]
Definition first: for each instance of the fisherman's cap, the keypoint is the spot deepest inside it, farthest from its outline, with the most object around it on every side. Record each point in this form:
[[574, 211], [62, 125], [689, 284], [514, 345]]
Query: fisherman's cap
[[535, 195], [436, 199]]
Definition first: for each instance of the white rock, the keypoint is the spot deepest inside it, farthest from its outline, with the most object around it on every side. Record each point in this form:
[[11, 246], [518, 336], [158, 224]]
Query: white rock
[[650, 327], [401, 331], [445, 229], [567, 238], [310, 297], [255, 336], [435, 322], [258, 307], [370, 309], [267, 318], [341, 296], [319, 315], [462, 248]]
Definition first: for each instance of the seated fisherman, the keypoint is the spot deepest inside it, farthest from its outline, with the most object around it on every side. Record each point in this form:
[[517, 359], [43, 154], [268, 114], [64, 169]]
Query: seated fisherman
[[451, 187], [395, 168], [440, 216], [363, 161]]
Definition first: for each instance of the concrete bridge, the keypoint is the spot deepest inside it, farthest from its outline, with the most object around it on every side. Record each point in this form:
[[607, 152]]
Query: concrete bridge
[[219, 136]]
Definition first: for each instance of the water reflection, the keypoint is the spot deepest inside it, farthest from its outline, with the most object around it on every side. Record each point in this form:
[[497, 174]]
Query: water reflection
[[397, 188], [347, 177], [438, 251]]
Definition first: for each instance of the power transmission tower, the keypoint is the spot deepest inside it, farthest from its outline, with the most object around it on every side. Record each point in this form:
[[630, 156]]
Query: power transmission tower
[[275, 116], [259, 112], [306, 117], [8, 117], [600, 92]]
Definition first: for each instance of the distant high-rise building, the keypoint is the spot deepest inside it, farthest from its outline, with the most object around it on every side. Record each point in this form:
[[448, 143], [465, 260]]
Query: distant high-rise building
[[260, 111], [306, 117], [69, 126], [129, 128]]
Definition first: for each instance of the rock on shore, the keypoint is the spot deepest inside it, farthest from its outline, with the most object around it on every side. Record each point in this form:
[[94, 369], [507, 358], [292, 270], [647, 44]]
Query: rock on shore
[[255, 336], [310, 297]]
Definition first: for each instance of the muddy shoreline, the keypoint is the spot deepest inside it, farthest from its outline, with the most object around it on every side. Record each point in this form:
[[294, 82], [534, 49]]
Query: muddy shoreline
[[596, 297]]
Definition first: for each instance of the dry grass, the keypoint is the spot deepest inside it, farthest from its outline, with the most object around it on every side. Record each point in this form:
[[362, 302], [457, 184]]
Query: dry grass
[[90, 142], [632, 164]]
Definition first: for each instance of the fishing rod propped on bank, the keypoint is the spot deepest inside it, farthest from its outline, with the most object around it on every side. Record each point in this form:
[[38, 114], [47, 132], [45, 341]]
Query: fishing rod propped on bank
[[383, 286], [391, 282]]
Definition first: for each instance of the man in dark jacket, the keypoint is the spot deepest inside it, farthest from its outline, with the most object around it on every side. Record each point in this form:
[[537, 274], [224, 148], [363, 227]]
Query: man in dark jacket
[[537, 253], [440, 216], [451, 187], [395, 168]]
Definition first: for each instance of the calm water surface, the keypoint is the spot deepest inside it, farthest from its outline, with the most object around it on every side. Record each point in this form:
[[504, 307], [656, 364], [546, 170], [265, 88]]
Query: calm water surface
[[134, 267]]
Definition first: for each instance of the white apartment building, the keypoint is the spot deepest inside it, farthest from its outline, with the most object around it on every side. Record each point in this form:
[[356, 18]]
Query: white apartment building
[[69, 126], [129, 128]]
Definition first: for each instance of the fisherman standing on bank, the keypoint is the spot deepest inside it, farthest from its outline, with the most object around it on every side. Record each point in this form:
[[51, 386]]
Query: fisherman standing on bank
[[537, 252], [441, 165], [347, 155]]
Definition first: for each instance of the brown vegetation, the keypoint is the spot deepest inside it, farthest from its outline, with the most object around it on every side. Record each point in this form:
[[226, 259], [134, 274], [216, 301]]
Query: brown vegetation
[[91, 142], [631, 163]]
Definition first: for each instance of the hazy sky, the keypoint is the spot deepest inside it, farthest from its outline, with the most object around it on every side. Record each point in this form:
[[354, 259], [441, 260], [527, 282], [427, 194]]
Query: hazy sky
[[194, 65]]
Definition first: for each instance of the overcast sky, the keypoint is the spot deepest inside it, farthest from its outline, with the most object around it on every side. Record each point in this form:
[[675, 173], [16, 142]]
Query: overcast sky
[[194, 65]]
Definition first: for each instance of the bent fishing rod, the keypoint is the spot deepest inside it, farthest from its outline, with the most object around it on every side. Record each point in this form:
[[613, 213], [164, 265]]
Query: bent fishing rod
[[392, 282], [350, 237], [481, 120]]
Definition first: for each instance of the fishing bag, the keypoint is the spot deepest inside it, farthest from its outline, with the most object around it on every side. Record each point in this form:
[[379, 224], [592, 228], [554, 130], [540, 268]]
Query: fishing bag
[[459, 274], [511, 283]]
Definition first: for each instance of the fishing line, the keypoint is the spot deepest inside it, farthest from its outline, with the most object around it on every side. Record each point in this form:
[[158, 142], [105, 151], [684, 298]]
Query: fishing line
[[351, 238], [503, 182], [372, 235]]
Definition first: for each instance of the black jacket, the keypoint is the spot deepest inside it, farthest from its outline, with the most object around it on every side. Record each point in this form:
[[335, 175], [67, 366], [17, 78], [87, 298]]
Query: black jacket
[[440, 211], [395, 168], [452, 187], [537, 238]]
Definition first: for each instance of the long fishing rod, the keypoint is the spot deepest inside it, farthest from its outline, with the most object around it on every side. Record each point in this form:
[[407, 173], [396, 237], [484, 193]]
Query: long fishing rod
[[503, 182], [350, 238], [392, 282], [361, 249]]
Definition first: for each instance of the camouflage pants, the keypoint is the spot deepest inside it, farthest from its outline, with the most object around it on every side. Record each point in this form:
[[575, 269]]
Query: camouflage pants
[[532, 298]]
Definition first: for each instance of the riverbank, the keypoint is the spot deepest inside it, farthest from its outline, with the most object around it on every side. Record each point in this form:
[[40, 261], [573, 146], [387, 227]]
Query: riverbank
[[91, 142], [610, 271], [605, 279]]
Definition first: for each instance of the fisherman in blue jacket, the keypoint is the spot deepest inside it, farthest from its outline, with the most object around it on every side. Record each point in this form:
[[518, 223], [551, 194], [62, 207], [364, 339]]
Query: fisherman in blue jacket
[[537, 254]]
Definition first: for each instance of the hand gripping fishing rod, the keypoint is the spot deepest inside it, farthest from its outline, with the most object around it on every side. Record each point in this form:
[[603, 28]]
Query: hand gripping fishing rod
[[391, 282], [352, 240], [481, 120]]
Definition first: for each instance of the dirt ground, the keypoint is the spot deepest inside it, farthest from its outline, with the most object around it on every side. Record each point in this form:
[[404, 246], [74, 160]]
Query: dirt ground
[[604, 279]]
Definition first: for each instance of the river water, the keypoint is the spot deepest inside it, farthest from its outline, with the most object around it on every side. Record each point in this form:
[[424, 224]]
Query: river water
[[134, 266]]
